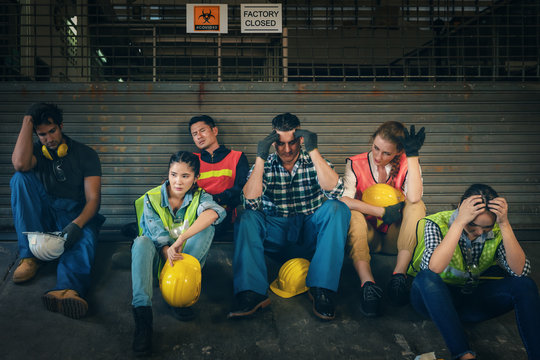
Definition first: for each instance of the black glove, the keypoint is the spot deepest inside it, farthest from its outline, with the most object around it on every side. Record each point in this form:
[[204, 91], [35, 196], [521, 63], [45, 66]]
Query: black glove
[[392, 213], [310, 138], [412, 142], [72, 232], [35, 110], [263, 147]]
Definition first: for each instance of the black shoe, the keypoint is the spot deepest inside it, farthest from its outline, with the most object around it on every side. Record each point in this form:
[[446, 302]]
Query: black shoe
[[247, 302], [370, 302], [183, 313], [323, 306], [398, 290], [142, 338]]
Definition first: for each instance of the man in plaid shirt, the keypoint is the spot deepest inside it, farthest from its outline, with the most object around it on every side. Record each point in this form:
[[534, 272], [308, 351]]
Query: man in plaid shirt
[[287, 216]]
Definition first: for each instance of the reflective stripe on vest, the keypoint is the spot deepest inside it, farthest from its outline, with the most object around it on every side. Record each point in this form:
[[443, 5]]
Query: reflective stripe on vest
[[456, 272], [364, 179], [154, 196], [215, 178]]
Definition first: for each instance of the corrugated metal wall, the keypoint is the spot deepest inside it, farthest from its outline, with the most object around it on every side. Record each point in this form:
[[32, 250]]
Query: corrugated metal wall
[[475, 133]]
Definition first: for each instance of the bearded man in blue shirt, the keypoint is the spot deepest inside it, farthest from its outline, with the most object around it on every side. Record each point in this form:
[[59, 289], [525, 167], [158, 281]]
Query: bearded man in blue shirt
[[292, 210]]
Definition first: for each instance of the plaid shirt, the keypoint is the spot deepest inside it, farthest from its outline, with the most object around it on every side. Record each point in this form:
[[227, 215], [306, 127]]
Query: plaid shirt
[[433, 237], [288, 194]]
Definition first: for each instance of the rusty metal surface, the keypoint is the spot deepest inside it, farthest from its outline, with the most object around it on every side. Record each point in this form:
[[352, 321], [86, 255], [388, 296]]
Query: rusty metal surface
[[476, 132]]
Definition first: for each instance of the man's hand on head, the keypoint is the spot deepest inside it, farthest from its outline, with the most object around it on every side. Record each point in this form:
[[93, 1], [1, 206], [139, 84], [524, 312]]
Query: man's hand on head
[[263, 147], [310, 139]]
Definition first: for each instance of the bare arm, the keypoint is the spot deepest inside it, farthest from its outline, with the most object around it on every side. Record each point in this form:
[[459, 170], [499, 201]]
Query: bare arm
[[469, 209], [23, 158], [92, 193], [414, 180], [205, 219], [328, 178], [254, 186], [515, 256]]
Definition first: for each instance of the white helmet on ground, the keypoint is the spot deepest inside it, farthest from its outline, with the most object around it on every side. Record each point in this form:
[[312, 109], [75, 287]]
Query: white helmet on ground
[[46, 246]]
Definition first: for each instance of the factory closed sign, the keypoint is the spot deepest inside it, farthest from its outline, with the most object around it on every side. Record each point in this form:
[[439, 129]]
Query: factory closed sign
[[261, 18]]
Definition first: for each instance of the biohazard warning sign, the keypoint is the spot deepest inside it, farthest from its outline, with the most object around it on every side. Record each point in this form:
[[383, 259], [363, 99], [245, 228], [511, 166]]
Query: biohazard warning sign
[[206, 18]]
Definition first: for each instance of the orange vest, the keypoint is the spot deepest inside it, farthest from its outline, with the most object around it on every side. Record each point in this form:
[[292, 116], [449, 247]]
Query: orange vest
[[364, 179], [218, 177]]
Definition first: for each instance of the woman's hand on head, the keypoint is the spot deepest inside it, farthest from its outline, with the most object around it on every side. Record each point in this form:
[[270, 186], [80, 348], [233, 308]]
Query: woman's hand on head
[[499, 207], [470, 208], [173, 252]]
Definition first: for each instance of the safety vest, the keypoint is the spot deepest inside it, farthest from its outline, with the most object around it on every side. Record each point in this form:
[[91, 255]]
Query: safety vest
[[456, 272], [154, 196], [215, 178], [364, 179]]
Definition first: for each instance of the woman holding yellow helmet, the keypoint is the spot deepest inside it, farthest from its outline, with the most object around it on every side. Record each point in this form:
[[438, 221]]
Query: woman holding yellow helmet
[[175, 217], [383, 189]]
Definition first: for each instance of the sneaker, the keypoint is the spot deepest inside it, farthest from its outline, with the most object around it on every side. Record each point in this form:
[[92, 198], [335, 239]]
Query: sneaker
[[66, 302], [26, 270], [398, 290], [370, 303]]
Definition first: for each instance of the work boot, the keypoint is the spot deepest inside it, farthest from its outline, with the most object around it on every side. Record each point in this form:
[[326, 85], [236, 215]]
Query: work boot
[[323, 306], [26, 270], [398, 290], [142, 338], [247, 303], [183, 313], [370, 301], [66, 302]]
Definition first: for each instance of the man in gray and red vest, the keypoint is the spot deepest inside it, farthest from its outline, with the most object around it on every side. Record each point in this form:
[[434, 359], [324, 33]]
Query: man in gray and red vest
[[223, 171]]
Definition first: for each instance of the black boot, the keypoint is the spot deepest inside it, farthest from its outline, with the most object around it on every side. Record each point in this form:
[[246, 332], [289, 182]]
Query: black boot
[[142, 338]]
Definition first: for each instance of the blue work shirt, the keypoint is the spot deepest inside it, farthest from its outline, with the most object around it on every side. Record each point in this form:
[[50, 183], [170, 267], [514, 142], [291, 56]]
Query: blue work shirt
[[154, 228]]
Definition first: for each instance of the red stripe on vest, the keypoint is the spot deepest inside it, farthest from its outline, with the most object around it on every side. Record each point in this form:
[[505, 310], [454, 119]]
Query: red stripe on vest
[[217, 185]]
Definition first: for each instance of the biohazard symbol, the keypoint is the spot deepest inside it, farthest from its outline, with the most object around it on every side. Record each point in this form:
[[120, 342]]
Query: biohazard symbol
[[206, 16]]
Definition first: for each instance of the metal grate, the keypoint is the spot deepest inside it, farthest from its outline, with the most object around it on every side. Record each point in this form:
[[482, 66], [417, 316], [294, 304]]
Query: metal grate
[[347, 40]]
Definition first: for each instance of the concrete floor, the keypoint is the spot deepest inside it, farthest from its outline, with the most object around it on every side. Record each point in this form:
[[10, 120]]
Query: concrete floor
[[285, 330]]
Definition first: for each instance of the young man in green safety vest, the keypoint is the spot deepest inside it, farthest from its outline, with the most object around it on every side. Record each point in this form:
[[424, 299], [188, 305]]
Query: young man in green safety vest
[[454, 250]]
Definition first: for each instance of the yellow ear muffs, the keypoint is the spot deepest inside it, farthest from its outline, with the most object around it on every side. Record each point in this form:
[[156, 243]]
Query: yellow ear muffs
[[60, 152]]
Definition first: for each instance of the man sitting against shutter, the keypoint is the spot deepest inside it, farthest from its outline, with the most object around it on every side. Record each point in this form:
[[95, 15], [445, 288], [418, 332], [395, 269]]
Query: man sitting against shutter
[[56, 187], [223, 171], [286, 215]]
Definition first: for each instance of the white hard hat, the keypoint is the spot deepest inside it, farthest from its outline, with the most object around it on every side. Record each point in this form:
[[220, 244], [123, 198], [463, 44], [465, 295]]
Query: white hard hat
[[46, 246]]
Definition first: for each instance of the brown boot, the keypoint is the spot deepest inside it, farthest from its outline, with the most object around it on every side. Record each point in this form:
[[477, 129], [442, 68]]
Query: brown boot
[[26, 270], [67, 302]]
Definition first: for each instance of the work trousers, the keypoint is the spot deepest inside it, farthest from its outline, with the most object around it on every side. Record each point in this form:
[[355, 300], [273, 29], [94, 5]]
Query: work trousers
[[363, 238], [319, 237], [145, 259], [36, 211], [448, 308]]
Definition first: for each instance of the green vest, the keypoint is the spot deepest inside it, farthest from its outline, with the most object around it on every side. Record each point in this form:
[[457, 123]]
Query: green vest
[[154, 196], [456, 271]]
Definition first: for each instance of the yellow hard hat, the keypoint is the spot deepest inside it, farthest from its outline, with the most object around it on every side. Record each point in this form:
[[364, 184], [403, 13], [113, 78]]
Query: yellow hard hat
[[180, 284], [382, 195], [291, 279]]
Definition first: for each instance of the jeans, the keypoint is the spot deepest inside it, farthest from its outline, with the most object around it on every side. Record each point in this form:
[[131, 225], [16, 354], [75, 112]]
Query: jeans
[[145, 261], [320, 236], [35, 210], [448, 308]]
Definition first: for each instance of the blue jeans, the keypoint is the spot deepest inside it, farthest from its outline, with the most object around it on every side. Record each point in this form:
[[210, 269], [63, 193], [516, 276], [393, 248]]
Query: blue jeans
[[145, 262], [448, 308], [320, 237], [35, 210]]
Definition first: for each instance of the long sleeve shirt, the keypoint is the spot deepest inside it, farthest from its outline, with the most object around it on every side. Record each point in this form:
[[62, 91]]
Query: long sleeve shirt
[[288, 194], [433, 237], [154, 228]]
